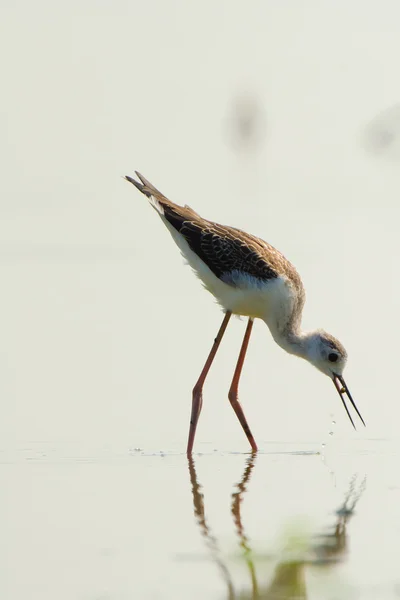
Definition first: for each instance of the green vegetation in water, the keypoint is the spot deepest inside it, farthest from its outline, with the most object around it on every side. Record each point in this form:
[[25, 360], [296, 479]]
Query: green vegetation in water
[[283, 570]]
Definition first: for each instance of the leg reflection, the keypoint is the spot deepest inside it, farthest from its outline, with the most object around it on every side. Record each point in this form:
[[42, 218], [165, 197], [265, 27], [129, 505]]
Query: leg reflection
[[287, 581], [211, 541], [237, 499]]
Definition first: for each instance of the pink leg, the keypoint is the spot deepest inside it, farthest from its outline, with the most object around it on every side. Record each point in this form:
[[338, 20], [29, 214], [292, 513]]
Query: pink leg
[[233, 392], [197, 399]]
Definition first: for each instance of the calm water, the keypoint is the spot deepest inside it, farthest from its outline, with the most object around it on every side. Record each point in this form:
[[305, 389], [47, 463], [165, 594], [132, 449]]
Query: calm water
[[296, 521], [282, 119]]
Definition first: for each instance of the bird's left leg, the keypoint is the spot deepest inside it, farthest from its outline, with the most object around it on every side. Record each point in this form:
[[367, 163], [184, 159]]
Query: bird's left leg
[[233, 392], [197, 397]]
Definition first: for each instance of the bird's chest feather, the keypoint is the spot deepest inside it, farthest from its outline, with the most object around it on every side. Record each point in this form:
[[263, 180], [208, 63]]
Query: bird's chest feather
[[242, 294], [271, 301]]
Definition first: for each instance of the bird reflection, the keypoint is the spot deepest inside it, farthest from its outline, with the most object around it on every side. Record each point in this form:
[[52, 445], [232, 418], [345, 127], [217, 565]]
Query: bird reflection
[[288, 579], [333, 546], [237, 499], [211, 541]]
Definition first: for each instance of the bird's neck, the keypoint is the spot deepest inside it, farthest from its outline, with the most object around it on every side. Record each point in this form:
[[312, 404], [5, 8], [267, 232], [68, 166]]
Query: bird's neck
[[297, 342]]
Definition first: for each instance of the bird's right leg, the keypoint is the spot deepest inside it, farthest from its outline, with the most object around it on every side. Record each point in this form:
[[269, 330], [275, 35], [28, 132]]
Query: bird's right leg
[[197, 399], [234, 390]]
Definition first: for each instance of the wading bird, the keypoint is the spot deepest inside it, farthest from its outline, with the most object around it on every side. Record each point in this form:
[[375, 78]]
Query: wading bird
[[248, 277]]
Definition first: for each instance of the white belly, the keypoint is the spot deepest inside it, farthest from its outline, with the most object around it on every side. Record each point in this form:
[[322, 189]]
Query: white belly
[[244, 295]]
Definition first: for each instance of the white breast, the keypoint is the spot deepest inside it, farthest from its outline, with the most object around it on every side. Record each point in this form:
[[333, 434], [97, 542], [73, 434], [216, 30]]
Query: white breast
[[244, 295]]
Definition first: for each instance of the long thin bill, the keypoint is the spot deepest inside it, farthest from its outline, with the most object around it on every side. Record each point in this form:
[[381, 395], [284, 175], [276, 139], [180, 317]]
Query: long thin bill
[[342, 389]]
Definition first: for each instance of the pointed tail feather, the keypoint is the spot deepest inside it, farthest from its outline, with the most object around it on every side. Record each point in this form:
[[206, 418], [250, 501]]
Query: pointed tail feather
[[149, 186], [139, 186], [156, 198], [145, 187], [160, 202]]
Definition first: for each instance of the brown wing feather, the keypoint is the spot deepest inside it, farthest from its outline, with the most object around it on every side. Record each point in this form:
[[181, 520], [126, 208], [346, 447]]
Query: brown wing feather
[[223, 249]]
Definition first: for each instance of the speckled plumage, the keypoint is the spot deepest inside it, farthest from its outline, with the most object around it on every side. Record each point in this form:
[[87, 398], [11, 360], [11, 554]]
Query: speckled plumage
[[248, 277], [227, 252], [223, 248]]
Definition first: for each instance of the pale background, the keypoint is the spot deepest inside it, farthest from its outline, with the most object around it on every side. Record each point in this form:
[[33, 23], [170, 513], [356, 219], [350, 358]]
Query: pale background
[[104, 331]]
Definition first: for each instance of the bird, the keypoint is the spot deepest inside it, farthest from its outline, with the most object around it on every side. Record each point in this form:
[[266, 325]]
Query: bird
[[250, 278]]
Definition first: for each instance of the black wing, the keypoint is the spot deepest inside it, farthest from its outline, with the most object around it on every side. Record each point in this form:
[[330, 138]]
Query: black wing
[[225, 250]]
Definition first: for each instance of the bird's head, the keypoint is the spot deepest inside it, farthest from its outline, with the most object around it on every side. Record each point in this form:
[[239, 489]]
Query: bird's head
[[328, 355]]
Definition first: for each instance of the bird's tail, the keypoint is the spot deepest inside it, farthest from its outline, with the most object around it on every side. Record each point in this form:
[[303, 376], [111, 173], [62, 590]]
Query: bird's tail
[[157, 199], [145, 187], [160, 202]]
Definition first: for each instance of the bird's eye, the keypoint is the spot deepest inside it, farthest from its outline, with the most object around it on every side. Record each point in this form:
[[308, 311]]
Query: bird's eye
[[332, 357]]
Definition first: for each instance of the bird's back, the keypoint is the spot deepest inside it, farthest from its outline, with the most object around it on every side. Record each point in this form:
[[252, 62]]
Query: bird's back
[[235, 258]]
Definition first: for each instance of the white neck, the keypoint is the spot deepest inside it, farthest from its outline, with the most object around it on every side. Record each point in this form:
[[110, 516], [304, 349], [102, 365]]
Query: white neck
[[297, 342]]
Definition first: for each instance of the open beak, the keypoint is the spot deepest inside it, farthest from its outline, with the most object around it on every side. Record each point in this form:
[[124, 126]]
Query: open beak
[[342, 389]]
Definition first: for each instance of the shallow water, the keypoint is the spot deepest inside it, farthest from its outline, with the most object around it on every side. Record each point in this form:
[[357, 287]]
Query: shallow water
[[281, 119], [294, 521]]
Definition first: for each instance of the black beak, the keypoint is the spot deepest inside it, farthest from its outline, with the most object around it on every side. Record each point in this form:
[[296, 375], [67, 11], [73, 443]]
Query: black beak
[[342, 389]]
